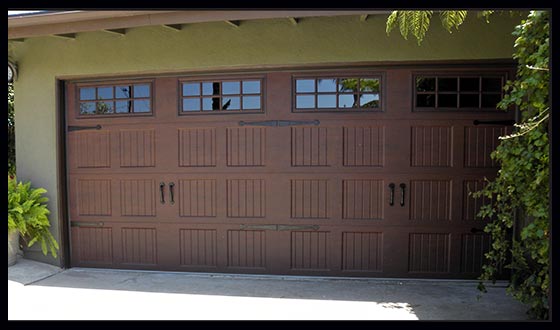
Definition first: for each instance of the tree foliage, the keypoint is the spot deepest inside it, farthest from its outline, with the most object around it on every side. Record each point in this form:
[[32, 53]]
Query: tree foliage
[[521, 189], [417, 22]]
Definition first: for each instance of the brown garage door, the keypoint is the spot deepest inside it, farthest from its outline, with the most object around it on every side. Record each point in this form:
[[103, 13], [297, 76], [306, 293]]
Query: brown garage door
[[343, 173]]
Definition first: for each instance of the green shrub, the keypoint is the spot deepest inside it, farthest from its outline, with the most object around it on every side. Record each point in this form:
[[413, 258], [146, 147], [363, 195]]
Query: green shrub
[[28, 213]]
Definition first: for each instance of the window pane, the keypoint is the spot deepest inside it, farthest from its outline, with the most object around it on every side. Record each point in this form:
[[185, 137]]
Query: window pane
[[447, 101], [191, 104], [348, 101], [326, 101], [104, 107], [87, 93], [123, 92], [231, 87], [347, 85], [469, 84], [123, 106], [426, 100], [491, 84], [425, 84], [447, 84], [141, 91], [191, 89], [490, 100], [305, 85], [305, 101], [87, 108], [210, 103], [141, 105], [326, 85], [231, 103], [369, 85], [105, 93], [251, 87], [468, 101], [369, 101], [211, 88], [251, 102]]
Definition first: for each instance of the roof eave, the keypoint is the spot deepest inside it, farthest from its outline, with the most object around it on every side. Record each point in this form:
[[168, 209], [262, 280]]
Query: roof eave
[[56, 23]]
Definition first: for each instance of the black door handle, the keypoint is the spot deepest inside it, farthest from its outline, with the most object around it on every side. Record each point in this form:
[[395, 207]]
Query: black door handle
[[391, 194], [403, 187], [162, 192], [171, 197]]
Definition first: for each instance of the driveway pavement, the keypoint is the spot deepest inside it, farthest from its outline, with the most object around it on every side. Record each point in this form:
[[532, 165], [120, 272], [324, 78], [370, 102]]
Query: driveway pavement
[[41, 291]]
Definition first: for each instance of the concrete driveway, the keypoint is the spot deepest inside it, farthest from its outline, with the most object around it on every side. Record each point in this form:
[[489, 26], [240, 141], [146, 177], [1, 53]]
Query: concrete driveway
[[41, 291]]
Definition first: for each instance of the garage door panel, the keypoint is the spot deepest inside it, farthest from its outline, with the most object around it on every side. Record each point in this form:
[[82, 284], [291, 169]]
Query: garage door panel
[[246, 249], [246, 146], [139, 245], [246, 198], [363, 199], [472, 205], [362, 251], [431, 146], [92, 149], [310, 250], [363, 146], [429, 252], [198, 247], [93, 197], [283, 191], [430, 200], [310, 198], [473, 248], [197, 147], [92, 246], [138, 197], [137, 147], [309, 146], [480, 141]]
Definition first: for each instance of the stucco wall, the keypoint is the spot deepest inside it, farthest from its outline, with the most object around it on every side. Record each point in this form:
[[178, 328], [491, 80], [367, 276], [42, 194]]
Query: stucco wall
[[214, 45]]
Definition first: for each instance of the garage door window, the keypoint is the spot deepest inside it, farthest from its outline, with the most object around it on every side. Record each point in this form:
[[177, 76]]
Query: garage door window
[[338, 94], [458, 93], [224, 96], [116, 99]]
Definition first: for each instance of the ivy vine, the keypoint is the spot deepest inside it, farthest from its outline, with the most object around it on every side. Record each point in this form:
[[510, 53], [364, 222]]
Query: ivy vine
[[520, 193]]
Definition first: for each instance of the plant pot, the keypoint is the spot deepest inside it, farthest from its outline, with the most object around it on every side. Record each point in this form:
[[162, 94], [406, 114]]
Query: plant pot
[[13, 246]]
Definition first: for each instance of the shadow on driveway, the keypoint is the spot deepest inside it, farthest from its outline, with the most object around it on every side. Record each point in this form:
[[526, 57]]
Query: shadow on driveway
[[116, 294]]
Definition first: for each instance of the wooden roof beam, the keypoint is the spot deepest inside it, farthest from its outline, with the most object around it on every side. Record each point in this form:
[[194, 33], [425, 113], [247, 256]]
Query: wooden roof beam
[[120, 32], [235, 24], [294, 20], [174, 27], [67, 36]]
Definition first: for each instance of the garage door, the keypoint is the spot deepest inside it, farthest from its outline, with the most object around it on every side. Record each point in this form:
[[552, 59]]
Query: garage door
[[341, 173]]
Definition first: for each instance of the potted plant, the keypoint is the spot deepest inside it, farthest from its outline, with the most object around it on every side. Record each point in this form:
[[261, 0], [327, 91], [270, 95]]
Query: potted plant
[[28, 219]]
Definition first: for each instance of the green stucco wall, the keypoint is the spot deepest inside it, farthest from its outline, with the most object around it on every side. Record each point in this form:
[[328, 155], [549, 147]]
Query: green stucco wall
[[215, 46]]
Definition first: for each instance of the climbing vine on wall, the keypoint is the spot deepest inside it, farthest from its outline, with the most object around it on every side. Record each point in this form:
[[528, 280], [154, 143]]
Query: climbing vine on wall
[[521, 189]]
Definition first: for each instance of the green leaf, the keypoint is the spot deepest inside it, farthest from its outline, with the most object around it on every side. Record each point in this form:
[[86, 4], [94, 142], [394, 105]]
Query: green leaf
[[391, 21], [420, 24], [452, 19], [404, 23]]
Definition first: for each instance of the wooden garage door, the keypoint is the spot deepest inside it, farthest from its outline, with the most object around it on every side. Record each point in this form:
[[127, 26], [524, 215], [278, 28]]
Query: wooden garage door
[[343, 173]]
